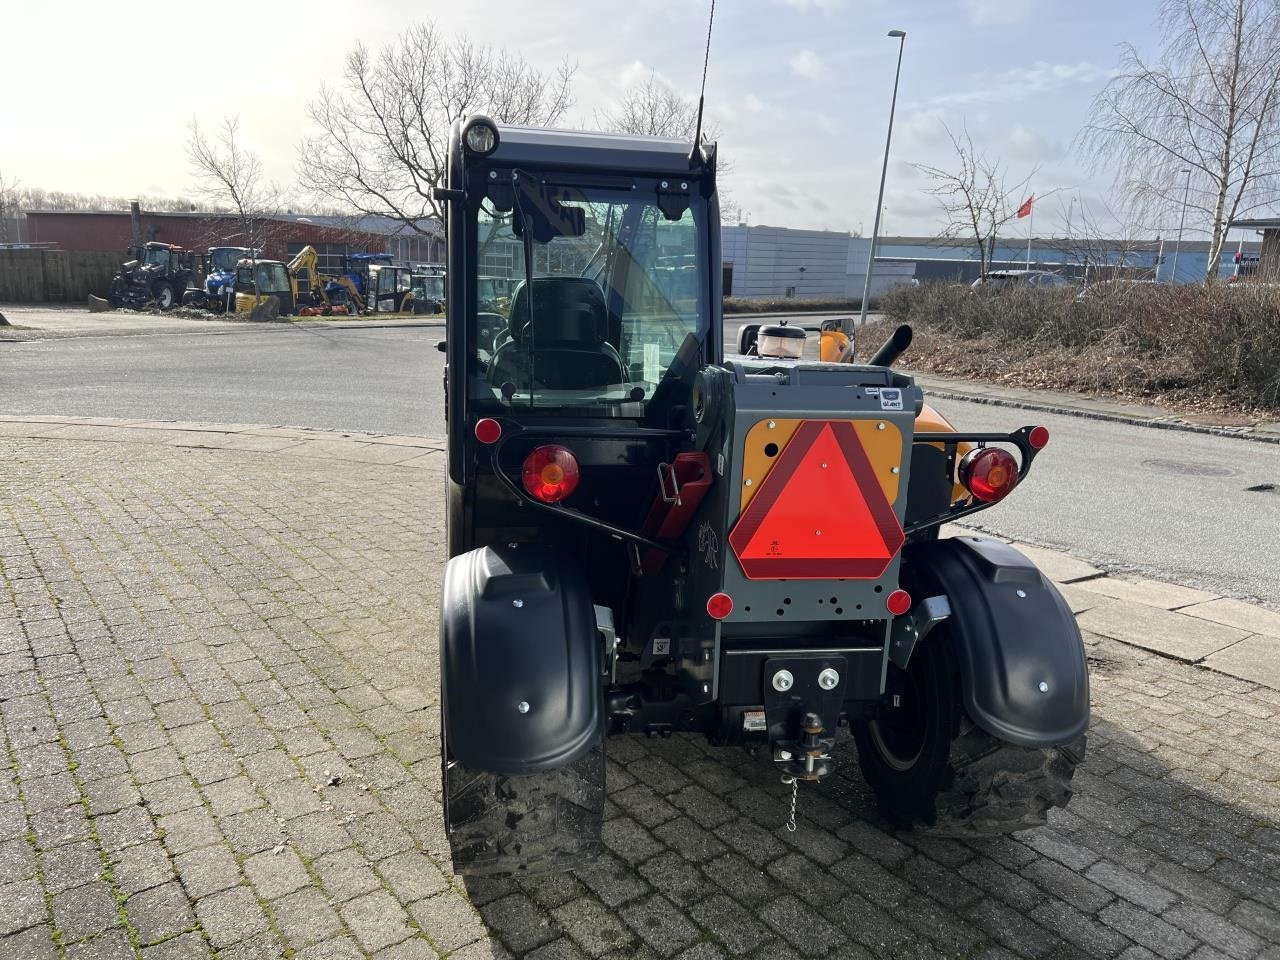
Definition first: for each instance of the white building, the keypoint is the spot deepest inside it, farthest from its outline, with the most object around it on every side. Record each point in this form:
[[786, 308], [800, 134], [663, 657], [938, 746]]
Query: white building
[[762, 261]]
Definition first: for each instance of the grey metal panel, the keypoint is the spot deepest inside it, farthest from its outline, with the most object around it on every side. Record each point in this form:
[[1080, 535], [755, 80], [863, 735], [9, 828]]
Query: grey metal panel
[[602, 151], [815, 392]]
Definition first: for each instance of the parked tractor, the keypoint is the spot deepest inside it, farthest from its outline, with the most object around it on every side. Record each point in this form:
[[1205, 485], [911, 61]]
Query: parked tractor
[[218, 292], [259, 280], [649, 537], [156, 273], [427, 284]]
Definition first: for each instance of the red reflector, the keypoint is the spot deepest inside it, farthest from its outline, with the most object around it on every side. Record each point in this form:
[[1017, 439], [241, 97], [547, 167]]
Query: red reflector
[[488, 430], [1038, 438], [898, 602], [550, 473], [820, 513], [989, 473], [719, 605]]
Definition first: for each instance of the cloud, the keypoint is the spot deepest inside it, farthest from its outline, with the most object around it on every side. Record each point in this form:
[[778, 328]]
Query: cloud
[[985, 13], [1027, 146], [1019, 83], [825, 6], [808, 64]]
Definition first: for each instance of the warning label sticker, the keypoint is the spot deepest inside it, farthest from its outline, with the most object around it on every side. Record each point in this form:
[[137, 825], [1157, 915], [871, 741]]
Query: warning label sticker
[[890, 398]]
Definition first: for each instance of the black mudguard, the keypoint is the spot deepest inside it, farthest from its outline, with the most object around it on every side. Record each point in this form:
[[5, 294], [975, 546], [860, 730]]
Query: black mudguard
[[517, 626], [1012, 631]]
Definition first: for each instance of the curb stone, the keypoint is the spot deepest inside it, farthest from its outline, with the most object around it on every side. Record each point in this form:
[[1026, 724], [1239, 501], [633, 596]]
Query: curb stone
[[991, 396]]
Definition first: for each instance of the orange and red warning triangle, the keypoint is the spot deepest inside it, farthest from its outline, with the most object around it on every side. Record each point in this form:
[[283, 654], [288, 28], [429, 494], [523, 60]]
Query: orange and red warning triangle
[[820, 512]]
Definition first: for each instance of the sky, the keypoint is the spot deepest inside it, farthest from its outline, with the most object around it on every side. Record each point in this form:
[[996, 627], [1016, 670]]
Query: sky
[[799, 89]]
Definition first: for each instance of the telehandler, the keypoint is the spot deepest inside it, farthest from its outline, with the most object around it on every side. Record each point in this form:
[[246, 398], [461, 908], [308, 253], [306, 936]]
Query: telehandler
[[646, 536]]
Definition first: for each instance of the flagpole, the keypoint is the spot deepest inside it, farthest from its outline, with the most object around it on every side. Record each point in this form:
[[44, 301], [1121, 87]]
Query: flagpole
[[1031, 219]]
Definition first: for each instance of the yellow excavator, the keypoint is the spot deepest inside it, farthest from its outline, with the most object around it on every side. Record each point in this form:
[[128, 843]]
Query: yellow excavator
[[312, 287]]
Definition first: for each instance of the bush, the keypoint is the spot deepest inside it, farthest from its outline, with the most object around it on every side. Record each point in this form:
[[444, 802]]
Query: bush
[[1221, 340], [790, 304]]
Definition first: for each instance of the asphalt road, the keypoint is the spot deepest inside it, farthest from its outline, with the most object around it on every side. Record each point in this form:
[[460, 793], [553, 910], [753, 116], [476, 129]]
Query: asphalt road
[[1170, 504]]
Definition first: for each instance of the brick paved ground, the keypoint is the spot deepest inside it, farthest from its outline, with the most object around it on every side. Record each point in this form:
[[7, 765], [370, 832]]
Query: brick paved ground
[[218, 707]]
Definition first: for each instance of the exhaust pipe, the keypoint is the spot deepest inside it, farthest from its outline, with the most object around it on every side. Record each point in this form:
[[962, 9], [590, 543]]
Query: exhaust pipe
[[893, 348]]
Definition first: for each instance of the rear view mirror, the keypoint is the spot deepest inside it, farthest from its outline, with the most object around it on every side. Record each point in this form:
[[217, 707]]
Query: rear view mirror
[[540, 211]]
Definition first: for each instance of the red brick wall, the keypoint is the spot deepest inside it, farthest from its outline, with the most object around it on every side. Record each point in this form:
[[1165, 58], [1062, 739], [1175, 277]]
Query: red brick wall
[[112, 231]]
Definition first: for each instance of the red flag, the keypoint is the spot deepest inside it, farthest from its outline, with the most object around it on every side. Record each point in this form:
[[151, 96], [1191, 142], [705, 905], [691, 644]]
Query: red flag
[[1025, 209]]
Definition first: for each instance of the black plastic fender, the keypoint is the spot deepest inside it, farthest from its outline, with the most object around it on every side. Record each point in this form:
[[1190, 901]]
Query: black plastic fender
[[520, 673], [1023, 673]]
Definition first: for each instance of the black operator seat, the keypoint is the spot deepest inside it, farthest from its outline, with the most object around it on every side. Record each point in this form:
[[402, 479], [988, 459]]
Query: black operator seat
[[567, 345]]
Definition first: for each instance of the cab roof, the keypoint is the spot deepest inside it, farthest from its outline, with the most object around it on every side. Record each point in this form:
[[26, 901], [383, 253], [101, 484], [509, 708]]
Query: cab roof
[[538, 146]]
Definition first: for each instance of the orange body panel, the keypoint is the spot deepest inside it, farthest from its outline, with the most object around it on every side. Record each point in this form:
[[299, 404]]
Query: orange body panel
[[931, 421]]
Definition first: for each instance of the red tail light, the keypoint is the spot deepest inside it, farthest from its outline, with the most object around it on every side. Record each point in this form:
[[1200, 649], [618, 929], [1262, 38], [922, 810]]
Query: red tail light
[[719, 606], [550, 473], [989, 473]]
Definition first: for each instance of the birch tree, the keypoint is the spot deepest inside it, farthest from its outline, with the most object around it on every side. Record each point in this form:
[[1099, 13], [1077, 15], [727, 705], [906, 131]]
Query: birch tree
[[1208, 104], [977, 195]]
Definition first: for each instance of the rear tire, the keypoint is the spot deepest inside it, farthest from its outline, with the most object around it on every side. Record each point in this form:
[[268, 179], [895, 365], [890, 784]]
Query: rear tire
[[930, 765], [541, 823], [163, 292]]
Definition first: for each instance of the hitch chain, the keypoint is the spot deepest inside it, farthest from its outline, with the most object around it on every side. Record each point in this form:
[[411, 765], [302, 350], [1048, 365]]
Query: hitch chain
[[795, 792]]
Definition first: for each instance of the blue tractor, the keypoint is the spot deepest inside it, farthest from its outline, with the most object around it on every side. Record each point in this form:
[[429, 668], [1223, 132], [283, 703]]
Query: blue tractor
[[220, 279]]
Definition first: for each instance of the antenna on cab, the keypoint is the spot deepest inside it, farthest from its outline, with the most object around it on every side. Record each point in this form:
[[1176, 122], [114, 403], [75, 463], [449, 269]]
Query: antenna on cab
[[706, 58]]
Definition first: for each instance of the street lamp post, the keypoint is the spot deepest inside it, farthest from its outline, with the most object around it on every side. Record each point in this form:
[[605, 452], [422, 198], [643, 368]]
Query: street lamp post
[[901, 37], [1173, 274]]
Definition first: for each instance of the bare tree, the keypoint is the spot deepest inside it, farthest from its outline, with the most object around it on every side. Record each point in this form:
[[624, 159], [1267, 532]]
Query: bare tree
[[651, 108], [977, 197], [232, 176], [383, 136], [1209, 105], [9, 205], [1105, 245]]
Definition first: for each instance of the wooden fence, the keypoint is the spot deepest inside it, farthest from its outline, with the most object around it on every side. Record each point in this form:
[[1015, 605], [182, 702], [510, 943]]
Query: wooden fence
[[55, 276]]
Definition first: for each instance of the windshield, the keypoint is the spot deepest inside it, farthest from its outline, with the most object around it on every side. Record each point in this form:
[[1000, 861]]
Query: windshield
[[224, 259], [428, 288], [157, 255], [615, 296]]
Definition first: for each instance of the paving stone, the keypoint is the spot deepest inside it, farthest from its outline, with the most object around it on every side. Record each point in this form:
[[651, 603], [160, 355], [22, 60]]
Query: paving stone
[[189, 946], [1172, 634], [730, 923], [519, 922], [594, 927], [303, 611], [1151, 593], [159, 913], [33, 943], [1236, 613], [448, 920], [1255, 658], [660, 925], [70, 865], [230, 917], [376, 919], [345, 874], [305, 917], [140, 867], [85, 910], [112, 945], [21, 906], [276, 872], [1141, 927], [207, 870]]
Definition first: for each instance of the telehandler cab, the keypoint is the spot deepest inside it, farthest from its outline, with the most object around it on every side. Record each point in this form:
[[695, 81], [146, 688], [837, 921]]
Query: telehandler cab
[[647, 536]]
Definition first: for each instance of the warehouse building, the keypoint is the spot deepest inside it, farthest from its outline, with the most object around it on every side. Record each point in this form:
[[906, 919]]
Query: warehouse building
[[763, 261]]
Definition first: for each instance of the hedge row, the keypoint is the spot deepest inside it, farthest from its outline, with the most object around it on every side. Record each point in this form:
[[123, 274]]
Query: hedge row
[[1221, 340]]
